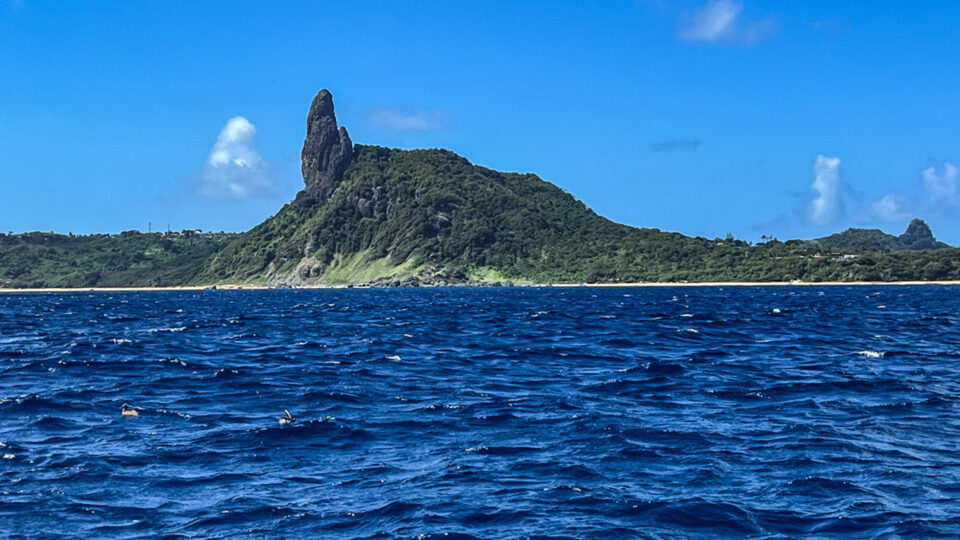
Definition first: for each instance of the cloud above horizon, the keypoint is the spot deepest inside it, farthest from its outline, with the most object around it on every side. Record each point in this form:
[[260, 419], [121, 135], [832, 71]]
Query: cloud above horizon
[[890, 208], [720, 21], [407, 119], [674, 145], [940, 182], [826, 205], [941, 186], [235, 169]]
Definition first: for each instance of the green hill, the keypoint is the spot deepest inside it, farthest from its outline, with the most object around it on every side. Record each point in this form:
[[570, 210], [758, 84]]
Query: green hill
[[431, 216], [130, 259], [434, 214]]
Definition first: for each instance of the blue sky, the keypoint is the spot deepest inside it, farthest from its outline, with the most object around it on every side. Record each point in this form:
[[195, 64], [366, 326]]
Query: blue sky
[[794, 119]]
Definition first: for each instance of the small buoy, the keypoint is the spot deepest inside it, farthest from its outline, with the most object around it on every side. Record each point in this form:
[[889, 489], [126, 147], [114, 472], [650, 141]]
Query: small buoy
[[125, 410], [288, 419]]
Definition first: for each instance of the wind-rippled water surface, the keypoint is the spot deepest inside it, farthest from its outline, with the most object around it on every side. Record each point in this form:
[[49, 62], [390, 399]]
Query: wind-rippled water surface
[[653, 412]]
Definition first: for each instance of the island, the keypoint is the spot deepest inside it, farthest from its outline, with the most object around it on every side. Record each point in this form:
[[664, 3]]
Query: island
[[375, 216]]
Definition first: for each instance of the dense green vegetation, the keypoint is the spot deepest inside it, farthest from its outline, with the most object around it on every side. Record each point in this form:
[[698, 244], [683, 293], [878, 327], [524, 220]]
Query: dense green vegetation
[[129, 259], [433, 215], [425, 209]]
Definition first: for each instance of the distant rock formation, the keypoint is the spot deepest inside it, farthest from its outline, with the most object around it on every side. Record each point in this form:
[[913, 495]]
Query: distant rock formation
[[917, 237], [327, 151]]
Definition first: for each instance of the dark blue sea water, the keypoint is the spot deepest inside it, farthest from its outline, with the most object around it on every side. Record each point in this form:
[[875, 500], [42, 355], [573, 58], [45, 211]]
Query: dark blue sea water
[[495, 413]]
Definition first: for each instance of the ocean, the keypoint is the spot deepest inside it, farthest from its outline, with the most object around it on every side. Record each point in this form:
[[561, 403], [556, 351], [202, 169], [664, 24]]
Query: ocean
[[482, 413]]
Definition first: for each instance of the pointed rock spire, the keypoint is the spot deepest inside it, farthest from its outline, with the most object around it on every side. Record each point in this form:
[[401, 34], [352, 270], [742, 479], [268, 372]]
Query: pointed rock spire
[[327, 151]]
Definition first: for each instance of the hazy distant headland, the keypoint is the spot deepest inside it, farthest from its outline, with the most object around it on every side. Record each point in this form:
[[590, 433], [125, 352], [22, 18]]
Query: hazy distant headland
[[382, 216]]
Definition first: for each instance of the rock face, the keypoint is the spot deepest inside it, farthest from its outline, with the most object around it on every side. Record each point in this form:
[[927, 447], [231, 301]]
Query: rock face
[[919, 236], [327, 151]]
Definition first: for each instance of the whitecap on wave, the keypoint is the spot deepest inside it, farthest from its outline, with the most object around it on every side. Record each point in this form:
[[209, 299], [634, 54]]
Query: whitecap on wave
[[174, 361], [175, 329]]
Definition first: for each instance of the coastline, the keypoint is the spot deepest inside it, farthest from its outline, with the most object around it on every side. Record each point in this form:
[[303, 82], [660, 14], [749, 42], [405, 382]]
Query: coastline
[[188, 288], [757, 284]]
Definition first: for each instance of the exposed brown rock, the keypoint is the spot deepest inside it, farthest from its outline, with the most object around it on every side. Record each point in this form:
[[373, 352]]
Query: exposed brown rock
[[327, 151]]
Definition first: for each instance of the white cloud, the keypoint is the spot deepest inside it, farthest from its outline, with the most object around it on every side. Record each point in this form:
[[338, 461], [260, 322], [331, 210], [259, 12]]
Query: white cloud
[[940, 181], [235, 169], [712, 22], [941, 185], [824, 208], [720, 21], [405, 119], [889, 208]]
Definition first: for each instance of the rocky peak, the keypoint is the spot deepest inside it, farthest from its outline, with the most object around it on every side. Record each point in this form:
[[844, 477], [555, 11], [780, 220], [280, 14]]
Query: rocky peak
[[919, 236], [327, 150], [918, 229]]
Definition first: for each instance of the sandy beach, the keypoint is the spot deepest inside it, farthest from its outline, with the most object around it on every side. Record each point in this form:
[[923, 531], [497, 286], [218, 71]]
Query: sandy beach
[[756, 284], [558, 285]]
